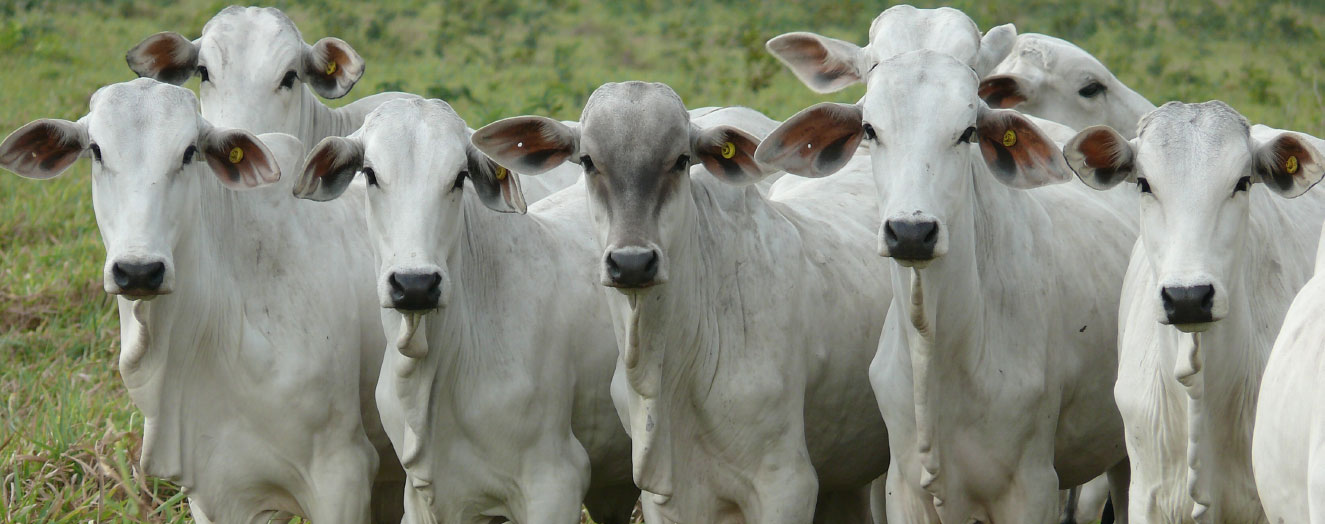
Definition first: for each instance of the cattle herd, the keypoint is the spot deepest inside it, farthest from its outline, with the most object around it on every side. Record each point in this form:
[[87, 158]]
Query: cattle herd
[[1001, 288]]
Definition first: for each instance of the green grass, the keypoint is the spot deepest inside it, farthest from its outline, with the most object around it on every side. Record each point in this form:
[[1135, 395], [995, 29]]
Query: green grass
[[69, 437]]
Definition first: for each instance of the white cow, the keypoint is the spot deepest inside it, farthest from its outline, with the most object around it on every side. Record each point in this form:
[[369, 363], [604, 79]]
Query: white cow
[[744, 322], [1288, 447], [1219, 259], [495, 391], [246, 343], [256, 72], [994, 370]]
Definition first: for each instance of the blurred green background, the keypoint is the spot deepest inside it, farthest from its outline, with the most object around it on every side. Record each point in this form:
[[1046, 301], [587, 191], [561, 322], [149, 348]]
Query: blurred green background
[[69, 437]]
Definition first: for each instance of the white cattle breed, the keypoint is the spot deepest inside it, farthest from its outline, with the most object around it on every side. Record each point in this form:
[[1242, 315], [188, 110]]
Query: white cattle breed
[[994, 372], [256, 72], [248, 341], [1219, 259], [496, 391], [744, 322], [1288, 445]]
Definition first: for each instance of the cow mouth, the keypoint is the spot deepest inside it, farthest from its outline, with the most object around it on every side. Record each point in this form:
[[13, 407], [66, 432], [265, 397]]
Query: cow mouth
[[139, 294], [1189, 327]]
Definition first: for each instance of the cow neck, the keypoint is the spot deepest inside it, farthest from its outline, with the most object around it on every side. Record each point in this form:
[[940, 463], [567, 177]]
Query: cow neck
[[317, 121]]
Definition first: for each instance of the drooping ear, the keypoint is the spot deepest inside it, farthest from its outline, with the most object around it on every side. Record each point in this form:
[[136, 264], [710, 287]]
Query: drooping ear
[[166, 57], [1004, 91], [528, 144], [729, 154], [332, 67], [1101, 157], [329, 168], [1288, 164], [1018, 153], [43, 148], [824, 64], [497, 187], [995, 45], [815, 142], [238, 159]]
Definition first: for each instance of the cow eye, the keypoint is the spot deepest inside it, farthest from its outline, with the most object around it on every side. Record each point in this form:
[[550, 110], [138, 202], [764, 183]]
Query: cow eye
[[968, 136], [1143, 184], [1244, 184], [1091, 90], [96, 153], [370, 176], [202, 72], [460, 180], [869, 132], [188, 154], [682, 163], [288, 81], [587, 163]]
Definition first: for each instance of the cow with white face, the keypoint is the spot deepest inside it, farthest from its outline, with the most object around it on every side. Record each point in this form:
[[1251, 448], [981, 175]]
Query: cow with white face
[[744, 322], [495, 391], [993, 371], [1054, 79], [241, 345], [256, 72], [1222, 251]]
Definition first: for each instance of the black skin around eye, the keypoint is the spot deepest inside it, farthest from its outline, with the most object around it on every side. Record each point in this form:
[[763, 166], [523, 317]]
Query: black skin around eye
[[869, 132], [587, 163], [1143, 184], [202, 72], [1091, 90], [288, 81], [460, 181], [370, 176]]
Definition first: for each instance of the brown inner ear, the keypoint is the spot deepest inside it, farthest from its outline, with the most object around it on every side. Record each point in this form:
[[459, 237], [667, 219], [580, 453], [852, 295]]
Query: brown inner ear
[[1001, 92], [1099, 149], [1276, 171], [160, 57], [538, 150], [1026, 150], [246, 170], [335, 55], [742, 155], [803, 49], [45, 146]]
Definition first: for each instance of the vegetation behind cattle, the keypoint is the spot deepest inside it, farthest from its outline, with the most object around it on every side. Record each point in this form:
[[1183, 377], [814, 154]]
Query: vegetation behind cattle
[[69, 436]]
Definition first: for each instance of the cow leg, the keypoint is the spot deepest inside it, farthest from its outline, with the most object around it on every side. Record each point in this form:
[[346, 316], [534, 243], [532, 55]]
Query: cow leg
[[907, 502], [1070, 499], [847, 507], [1031, 498], [199, 514], [784, 491], [879, 500], [1119, 482], [611, 505], [342, 485]]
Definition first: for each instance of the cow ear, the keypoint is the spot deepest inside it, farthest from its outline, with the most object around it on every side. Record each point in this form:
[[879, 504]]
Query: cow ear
[[1288, 164], [824, 64], [238, 159], [329, 168], [728, 153], [1101, 157], [497, 187], [1017, 152], [1004, 91], [995, 46], [44, 148], [332, 67], [528, 144], [816, 142], [166, 57]]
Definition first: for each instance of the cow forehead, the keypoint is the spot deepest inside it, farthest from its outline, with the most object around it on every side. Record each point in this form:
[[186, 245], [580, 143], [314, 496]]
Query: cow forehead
[[926, 83], [1201, 142], [902, 29], [1057, 57], [634, 122], [411, 133], [259, 38], [141, 114]]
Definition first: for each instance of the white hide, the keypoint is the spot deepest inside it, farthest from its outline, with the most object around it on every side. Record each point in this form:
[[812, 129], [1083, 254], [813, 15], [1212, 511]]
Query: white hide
[[247, 53], [1288, 448], [254, 370], [1189, 411], [745, 394], [993, 371], [498, 400]]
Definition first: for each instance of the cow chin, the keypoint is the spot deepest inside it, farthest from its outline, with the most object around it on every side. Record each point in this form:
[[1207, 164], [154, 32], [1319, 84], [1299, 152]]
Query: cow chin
[[1196, 327]]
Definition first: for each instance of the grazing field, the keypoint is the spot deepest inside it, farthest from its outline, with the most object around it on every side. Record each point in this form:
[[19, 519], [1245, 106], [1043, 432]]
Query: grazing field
[[69, 437]]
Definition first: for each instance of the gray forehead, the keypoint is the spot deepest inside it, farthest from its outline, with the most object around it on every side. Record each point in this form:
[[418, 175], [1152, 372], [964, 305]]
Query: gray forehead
[[901, 29], [633, 114], [145, 107], [1207, 124], [269, 21], [243, 31]]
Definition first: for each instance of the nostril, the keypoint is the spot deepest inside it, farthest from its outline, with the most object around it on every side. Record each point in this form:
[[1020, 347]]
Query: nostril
[[436, 282], [395, 284], [889, 233], [1207, 297], [933, 235]]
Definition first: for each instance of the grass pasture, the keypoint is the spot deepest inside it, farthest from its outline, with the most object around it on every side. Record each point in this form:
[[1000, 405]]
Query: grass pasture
[[70, 438]]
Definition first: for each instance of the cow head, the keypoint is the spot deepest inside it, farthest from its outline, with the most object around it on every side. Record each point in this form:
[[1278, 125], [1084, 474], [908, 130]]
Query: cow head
[[253, 64], [1194, 166], [636, 145], [150, 152], [923, 119], [416, 159], [1053, 79]]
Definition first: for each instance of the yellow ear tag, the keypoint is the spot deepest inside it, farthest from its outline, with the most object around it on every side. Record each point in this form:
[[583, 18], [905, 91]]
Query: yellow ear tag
[[331, 68], [501, 173], [236, 155], [1290, 165], [728, 150], [1009, 138]]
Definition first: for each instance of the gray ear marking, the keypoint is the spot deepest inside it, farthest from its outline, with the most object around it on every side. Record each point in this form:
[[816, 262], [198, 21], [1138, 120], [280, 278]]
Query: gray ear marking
[[1288, 165], [816, 142], [329, 169], [1101, 157], [43, 148], [497, 187], [529, 144], [167, 57]]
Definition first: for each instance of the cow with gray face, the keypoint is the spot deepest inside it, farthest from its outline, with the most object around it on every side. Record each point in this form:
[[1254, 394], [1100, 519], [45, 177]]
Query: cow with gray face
[[993, 369], [1221, 254], [495, 390], [246, 351], [743, 321], [257, 72]]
